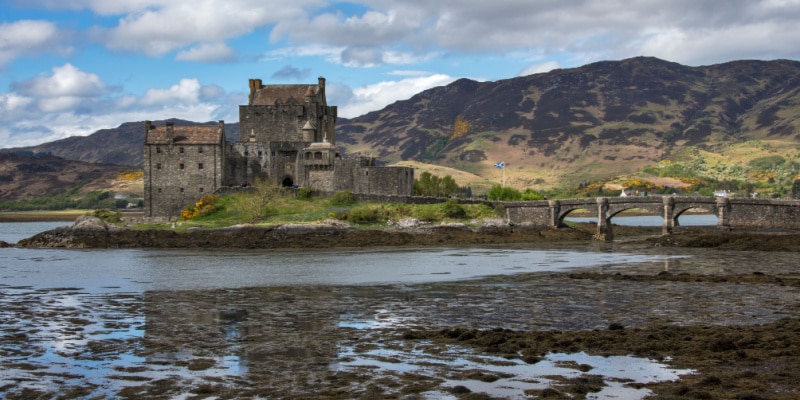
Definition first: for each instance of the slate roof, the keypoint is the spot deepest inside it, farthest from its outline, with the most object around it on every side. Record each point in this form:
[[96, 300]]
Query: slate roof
[[270, 94], [193, 134]]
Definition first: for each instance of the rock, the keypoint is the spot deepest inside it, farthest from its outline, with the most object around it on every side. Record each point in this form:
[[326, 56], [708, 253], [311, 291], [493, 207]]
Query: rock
[[89, 223], [408, 223], [490, 223]]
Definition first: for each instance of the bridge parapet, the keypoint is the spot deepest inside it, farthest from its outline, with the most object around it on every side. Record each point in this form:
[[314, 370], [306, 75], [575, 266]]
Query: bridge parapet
[[732, 213]]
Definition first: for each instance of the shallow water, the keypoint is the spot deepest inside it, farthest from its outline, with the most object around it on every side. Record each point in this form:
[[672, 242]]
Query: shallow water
[[134, 270], [12, 232], [107, 321]]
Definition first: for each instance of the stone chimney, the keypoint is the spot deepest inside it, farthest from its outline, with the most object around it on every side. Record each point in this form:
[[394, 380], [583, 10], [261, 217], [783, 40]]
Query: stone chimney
[[255, 84], [322, 88]]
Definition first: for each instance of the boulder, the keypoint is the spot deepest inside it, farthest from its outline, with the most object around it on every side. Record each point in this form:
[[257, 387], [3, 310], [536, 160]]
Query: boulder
[[89, 223]]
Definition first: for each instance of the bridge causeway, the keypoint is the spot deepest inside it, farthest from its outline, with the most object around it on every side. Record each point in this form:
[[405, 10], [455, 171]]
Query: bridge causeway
[[731, 213]]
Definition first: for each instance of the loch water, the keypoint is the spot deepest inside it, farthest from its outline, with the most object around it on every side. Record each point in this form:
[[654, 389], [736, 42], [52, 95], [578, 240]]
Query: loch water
[[67, 302]]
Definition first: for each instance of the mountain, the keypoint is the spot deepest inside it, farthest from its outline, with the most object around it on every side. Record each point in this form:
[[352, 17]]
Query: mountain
[[565, 127], [581, 124], [122, 145], [27, 177]]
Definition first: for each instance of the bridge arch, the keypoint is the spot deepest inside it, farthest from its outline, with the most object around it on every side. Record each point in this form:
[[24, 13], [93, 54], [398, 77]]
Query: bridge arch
[[730, 213]]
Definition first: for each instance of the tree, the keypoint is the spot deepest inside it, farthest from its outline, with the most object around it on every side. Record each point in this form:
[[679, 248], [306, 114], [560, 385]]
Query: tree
[[433, 186], [256, 199], [503, 193]]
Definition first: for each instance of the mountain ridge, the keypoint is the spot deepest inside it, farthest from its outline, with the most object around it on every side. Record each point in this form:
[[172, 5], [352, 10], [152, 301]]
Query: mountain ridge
[[560, 128], [619, 115]]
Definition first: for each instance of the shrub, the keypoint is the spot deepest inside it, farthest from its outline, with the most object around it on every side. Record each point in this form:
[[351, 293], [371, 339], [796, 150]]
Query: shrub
[[344, 198], [108, 215], [204, 206], [366, 215], [530, 195], [304, 193], [503, 193], [452, 209]]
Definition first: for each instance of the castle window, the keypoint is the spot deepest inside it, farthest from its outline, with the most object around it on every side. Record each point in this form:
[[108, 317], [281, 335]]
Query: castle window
[[201, 190], [200, 149], [260, 153], [180, 150], [199, 165], [158, 149], [246, 153], [318, 155], [272, 154], [181, 190], [158, 165], [181, 166], [159, 190]]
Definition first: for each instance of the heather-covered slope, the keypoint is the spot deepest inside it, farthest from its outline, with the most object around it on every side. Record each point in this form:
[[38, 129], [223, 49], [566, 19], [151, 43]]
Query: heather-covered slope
[[597, 121]]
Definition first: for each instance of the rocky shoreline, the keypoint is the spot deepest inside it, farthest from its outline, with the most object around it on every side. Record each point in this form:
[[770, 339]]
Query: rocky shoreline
[[91, 232]]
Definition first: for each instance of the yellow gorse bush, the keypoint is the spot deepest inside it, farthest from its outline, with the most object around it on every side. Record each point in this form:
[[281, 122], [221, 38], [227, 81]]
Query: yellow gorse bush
[[202, 207], [460, 127], [130, 175]]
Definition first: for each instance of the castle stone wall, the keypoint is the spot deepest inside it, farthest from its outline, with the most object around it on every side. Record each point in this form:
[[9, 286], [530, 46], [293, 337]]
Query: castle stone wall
[[178, 175], [271, 123], [757, 213]]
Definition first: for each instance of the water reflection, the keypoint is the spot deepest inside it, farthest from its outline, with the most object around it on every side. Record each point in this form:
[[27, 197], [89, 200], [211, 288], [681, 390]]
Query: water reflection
[[653, 220], [131, 270], [511, 378]]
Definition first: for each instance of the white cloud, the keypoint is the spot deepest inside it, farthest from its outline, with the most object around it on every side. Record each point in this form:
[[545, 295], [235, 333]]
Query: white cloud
[[71, 102], [27, 37], [186, 91], [66, 81], [159, 27], [546, 66], [209, 52], [376, 96]]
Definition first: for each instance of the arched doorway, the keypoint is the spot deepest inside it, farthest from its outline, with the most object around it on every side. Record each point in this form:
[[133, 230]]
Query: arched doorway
[[287, 182]]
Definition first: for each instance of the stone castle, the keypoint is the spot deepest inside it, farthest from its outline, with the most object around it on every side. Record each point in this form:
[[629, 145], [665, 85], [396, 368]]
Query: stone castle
[[286, 134]]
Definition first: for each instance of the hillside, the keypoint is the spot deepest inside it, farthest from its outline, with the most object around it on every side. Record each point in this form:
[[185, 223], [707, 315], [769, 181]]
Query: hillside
[[594, 122], [27, 177], [121, 145]]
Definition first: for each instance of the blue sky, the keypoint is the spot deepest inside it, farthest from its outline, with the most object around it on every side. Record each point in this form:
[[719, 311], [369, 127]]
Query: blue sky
[[71, 67]]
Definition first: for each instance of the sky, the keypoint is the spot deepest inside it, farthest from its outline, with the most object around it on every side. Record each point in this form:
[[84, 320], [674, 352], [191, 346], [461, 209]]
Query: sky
[[72, 67]]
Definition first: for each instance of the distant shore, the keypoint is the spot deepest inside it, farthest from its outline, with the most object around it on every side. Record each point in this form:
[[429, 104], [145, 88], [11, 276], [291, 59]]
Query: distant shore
[[54, 215]]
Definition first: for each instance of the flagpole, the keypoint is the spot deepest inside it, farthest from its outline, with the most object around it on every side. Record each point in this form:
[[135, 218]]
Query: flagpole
[[502, 165]]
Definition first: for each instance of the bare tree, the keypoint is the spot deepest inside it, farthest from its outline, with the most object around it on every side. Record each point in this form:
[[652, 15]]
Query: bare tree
[[256, 199]]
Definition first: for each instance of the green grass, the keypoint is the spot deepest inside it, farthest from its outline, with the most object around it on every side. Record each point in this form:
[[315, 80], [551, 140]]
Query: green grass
[[230, 210]]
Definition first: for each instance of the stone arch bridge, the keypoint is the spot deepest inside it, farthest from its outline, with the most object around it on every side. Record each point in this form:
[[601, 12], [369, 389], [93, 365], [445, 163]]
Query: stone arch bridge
[[731, 213]]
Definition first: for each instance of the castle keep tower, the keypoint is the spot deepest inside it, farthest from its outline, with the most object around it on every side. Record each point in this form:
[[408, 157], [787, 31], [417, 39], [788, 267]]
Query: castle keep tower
[[276, 124]]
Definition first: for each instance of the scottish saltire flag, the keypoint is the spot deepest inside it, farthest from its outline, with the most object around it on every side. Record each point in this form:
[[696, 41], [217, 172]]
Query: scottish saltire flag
[[501, 164]]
